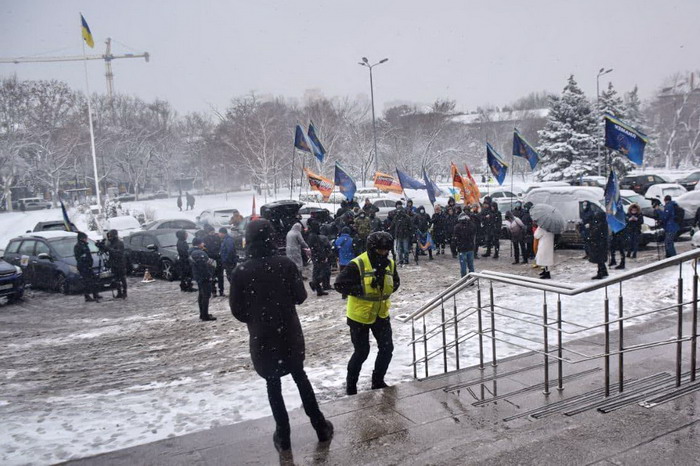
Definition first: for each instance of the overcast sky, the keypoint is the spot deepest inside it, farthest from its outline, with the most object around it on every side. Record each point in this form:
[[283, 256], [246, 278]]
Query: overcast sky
[[477, 52]]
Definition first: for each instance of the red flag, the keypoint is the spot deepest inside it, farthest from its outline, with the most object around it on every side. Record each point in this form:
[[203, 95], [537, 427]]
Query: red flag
[[320, 184], [254, 215], [472, 188], [387, 183]]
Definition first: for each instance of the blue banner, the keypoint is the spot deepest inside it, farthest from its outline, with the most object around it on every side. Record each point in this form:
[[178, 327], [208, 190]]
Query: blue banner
[[613, 204], [407, 182], [431, 187], [301, 141], [521, 148], [344, 182], [623, 138], [318, 149], [496, 164]]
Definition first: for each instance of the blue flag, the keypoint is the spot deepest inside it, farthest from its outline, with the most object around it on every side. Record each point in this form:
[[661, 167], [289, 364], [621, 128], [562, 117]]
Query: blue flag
[[345, 182], [301, 140], [431, 187], [407, 182], [68, 225], [623, 138], [521, 148], [613, 204], [496, 164], [318, 149]]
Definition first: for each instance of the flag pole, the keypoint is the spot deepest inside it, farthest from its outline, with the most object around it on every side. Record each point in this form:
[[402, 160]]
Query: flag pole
[[92, 132], [291, 173]]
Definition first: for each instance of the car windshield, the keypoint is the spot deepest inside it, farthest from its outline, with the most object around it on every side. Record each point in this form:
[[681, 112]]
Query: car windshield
[[223, 214], [167, 240], [64, 246], [673, 192], [641, 200]]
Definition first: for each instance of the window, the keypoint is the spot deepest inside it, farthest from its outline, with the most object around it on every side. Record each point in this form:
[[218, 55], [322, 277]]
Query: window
[[42, 248], [27, 247], [136, 241], [13, 247], [165, 225]]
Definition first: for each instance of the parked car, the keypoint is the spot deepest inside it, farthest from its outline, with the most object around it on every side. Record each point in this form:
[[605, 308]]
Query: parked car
[[54, 225], [690, 202], [695, 240], [124, 224], [125, 197], [170, 223], [155, 250], [47, 261], [282, 214], [595, 181], [640, 183], [545, 184], [11, 281], [32, 203], [506, 199], [319, 213], [160, 195], [661, 190], [385, 206], [690, 182], [215, 217]]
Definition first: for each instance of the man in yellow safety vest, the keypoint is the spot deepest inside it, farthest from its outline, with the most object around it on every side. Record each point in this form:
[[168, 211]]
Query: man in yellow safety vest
[[369, 280]]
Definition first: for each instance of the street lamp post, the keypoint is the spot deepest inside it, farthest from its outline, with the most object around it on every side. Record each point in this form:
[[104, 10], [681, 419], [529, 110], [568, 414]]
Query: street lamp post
[[601, 72], [365, 62]]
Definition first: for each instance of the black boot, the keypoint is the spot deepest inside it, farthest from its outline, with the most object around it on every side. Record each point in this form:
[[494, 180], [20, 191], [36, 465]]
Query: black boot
[[545, 276], [351, 385], [516, 261], [495, 255], [621, 266], [378, 381], [324, 430], [487, 253], [320, 292], [88, 299], [282, 440], [312, 285]]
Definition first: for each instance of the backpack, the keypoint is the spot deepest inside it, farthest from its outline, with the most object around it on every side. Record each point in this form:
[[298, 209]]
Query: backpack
[[678, 214]]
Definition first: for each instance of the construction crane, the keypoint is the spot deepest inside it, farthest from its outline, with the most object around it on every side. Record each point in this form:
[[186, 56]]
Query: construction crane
[[107, 57]]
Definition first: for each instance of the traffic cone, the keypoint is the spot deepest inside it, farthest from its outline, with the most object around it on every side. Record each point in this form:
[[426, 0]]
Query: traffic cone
[[147, 277]]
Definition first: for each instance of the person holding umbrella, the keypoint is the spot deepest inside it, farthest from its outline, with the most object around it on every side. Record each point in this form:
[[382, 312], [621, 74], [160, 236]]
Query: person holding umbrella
[[549, 222]]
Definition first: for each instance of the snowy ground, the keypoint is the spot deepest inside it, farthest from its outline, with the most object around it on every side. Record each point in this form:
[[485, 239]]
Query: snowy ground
[[82, 378]]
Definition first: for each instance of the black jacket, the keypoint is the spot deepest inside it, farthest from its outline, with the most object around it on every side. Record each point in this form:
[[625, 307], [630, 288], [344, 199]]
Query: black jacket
[[83, 257], [117, 259], [183, 250], [348, 280], [598, 238], [402, 225], [199, 260], [264, 295], [213, 245], [421, 221], [464, 236]]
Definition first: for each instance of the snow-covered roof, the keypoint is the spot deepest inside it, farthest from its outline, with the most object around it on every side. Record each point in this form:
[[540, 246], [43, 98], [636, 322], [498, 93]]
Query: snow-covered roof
[[502, 117], [50, 234]]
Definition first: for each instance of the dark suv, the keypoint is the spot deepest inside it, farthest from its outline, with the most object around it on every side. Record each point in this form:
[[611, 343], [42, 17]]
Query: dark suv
[[640, 183], [47, 260], [690, 182], [11, 281], [282, 215]]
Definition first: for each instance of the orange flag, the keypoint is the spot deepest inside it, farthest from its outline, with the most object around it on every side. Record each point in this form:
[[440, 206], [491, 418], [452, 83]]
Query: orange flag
[[387, 183], [320, 184], [472, 188], [458, 182], [254, 215]]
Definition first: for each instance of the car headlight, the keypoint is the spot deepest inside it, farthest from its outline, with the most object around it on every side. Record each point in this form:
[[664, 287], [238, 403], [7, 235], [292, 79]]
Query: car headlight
[[18, 269], [72, 269]]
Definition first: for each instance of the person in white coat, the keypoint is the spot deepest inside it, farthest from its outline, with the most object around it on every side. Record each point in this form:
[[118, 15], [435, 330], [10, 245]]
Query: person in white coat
[[295, 244], [545, 251]]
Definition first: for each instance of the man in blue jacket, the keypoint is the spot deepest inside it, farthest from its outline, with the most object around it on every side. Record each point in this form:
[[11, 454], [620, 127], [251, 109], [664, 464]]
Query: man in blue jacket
[[227, 253], [667, 218]]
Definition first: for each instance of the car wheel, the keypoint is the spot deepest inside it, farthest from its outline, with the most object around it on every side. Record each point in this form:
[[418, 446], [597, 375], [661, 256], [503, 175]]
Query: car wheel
[[61, 284], [14, 297], [167, 271]]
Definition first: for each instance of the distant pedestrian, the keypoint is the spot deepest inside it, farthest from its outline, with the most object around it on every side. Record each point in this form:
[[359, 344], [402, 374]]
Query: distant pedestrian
[[83, 259], [671, 218], [202, 268], [369, 280], [545, 251], [227, 253], [190, 201], [402, 229], [183, 261], [618, 243], [464, 239], [179, 202], [598, 242], [264, 295], [117, 262], [517, 230], [296, 247]]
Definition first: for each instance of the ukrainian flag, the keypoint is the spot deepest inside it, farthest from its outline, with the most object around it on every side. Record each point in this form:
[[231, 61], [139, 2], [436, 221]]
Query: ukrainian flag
[[87, 35]]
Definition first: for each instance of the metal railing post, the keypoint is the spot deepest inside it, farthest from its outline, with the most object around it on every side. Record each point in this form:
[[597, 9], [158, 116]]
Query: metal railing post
[[607, 343], [620, 344], [454, 301], [679, 344], [560, 368], [546, 344], [481, 327], [493, 326], [425, 347], [413, 344], [694, 338], [444, 336]]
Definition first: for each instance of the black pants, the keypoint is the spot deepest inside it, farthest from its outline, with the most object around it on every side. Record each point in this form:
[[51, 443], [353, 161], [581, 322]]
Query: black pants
[[518, 247], [359, 334], [185, 271], [89, 283], [308, 398], [321, 275], [529, 243], [119, 281], [229, 272], [492, 240], [418, 251], [218, 276], [203, 297]]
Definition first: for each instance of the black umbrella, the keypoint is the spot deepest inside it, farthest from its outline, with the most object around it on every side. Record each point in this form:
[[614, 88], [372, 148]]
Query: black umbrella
[[549, 218]]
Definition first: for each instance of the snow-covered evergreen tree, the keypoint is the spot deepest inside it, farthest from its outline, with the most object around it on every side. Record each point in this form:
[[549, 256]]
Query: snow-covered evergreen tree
[[611, 102], [638, 120], [568, 139]]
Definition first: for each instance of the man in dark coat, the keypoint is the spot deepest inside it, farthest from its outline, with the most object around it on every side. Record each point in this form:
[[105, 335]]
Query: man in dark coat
[[598, 242], [227, 253], [586, 218], [212, 243], [450, 221], [635, 220], [402, 230], [264, 295], [438, 222], [83, 258], [183, 261], [190, 201], [368, 207], [202, 272], [179, 202], [320, 257], [117, 262], [464, 239]]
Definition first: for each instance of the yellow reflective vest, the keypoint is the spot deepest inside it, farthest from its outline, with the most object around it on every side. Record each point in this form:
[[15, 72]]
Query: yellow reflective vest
[[372, 303]]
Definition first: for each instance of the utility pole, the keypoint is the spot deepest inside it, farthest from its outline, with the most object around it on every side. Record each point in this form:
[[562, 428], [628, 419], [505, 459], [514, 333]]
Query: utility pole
[[365, 62], [107, 57], [602, 72]]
